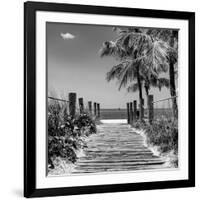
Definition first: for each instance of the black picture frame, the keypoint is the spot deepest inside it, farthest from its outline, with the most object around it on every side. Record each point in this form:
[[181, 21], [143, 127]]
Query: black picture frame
[[30, 9]]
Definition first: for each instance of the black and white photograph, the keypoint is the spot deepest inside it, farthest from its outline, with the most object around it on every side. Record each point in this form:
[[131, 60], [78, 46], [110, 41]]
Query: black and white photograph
[[112, 99], [109, 95]]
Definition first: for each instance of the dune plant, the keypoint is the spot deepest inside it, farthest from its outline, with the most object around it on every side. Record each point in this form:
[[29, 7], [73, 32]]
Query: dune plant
[[162, 133], [66, 134]]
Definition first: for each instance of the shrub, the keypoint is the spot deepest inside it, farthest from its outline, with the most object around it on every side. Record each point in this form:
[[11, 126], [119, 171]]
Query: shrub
[[65, 134], [162, 133]]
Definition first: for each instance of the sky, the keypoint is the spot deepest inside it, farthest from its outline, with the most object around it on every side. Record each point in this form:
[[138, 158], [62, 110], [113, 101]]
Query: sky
[[74, 65]]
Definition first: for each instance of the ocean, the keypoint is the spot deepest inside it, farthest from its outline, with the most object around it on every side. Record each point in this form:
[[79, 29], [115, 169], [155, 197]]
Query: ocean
[[122, 113]]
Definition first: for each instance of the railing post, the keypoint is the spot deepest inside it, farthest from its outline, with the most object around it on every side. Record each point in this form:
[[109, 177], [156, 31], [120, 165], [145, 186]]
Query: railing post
[[98, 110], [131, 112], [81, 105], [134, 110], [72, 104], [128, 113], [150, 106], [90, 107], [95, 109]]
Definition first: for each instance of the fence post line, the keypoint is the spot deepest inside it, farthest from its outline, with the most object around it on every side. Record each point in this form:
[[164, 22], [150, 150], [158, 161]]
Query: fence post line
[[90, 107], [131, 112], [134, 110], [95, 108], [128, 114], [72, 104], [98, 110], [150, 106], [81, 105]]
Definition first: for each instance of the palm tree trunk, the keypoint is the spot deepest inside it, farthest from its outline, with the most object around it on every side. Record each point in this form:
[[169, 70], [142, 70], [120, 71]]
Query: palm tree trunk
[[140, 95], [172, 80], [173, 90], [147, 95], [146, 90]]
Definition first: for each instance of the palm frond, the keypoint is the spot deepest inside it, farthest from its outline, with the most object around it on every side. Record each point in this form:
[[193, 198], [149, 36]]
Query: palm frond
[[172, 55], [159, 82], [156, 57], [133, 87], [111, 48], [128, 74], [114, 73], [163, 82]]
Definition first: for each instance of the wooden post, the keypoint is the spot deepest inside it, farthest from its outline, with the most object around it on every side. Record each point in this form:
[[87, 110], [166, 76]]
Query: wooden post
[[131, 112], [72, 104], [81, 105], [150, 106], [95, 108], [128, 113], [98, 110], [90, 107], [134, 110]]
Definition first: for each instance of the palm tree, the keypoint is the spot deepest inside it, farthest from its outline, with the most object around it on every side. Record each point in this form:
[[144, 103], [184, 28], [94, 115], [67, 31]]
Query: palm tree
[[137, 52], [172, 61], [124, 72], [171, 38]]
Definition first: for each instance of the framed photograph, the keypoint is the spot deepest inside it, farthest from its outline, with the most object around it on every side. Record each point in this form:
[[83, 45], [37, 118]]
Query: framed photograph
[[109, 99]]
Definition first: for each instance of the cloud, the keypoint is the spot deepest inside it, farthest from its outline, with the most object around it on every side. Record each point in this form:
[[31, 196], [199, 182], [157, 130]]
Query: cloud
[[67, 36]]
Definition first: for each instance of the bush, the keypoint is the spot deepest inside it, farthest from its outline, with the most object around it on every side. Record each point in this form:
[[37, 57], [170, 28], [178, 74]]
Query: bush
[[65, 134], [162, 133]]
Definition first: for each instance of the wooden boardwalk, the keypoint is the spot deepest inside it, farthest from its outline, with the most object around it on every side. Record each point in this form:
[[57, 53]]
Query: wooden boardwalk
[[116, 147]]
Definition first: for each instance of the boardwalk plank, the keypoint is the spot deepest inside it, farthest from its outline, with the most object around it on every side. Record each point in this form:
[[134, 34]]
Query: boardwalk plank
[[116, 147]]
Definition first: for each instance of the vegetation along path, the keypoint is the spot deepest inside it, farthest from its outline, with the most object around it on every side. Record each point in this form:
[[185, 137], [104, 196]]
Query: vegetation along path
[[116, 147]]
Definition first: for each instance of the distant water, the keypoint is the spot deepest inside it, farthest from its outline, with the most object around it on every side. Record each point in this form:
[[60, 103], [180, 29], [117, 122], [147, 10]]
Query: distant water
[[122, 114], [113, 114]]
